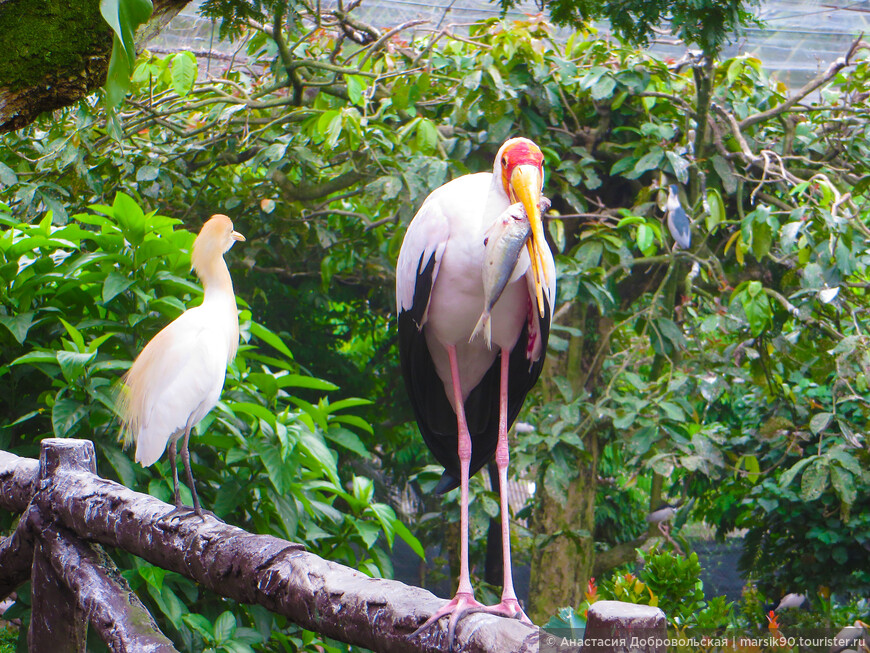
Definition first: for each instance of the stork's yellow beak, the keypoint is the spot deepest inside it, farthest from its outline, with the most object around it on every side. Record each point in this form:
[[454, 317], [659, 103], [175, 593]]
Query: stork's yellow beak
[[525, 187], [235, 235]]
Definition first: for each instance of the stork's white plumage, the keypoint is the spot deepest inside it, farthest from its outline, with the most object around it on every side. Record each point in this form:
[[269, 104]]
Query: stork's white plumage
[[178, 377], [465, 394]]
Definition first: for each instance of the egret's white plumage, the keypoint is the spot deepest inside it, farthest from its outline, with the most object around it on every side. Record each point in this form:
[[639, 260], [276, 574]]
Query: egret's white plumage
[[465, 394], [178, 377]]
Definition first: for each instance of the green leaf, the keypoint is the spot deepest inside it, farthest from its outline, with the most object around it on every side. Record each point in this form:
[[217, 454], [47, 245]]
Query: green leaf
[[36, 357], [756, 305], [814, 480], [409, 538], [349, 440], [224, 627], [114, 284], [557, 230], [270, 455], [153, 576], [73, 363], [270, 338], [844, 484], [716, 215], [123, 16], [427, 136], [131, 218], [147, 173], [355, 86], [363, 489], [820, 422], [680, 167], [255, 410], [300, 381], [316, 448], [7, 175], [762, 237], [287, 513], [354, 420], [789, 475], [735, 68], [603, 88], [74, 334], [183, 72], [18, 325], [65, 414], [753, 469], [368, 531], [649, 161], [645, 238], [200, 624], [387, 517]]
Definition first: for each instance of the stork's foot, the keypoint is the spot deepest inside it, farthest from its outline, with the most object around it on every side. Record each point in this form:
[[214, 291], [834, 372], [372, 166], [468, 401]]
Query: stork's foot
[[507, 608], [461, 604]]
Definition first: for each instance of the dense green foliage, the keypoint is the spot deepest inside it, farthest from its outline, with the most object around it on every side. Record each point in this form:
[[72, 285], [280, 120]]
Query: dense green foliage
[[733, 375], [85, 296]]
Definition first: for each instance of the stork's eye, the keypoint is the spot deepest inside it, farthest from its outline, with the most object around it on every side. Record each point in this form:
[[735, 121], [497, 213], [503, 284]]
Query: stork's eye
[[504, 162]]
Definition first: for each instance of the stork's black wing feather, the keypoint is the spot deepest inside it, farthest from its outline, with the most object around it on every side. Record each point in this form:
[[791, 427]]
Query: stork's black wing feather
[[433, 411]]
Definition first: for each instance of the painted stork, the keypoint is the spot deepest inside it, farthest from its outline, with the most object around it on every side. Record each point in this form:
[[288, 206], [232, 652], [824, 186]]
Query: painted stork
[[465, 394]]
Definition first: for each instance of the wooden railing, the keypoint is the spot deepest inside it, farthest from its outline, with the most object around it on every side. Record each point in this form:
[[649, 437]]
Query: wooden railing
[[68, 512]]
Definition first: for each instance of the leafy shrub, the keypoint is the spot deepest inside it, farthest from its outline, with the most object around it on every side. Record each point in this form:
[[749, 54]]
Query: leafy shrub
[[79, 301]]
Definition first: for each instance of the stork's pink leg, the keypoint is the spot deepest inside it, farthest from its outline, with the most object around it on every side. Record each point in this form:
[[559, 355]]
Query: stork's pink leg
[[509, 605], [464, 600]]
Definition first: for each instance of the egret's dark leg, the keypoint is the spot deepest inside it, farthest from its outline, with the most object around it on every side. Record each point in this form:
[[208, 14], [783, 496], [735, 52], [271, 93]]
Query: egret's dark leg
[[185, 456], [464, 599], [174, 466], [180, 509]]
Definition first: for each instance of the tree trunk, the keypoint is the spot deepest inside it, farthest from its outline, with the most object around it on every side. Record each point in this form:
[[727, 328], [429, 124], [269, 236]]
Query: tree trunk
[[56, 53], [561, 568]]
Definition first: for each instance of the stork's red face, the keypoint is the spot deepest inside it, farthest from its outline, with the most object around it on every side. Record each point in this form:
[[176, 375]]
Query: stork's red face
[[522, 174], [520, 154]]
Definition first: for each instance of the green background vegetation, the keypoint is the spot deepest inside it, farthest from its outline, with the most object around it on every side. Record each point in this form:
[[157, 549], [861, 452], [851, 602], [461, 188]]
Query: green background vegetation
[[732, 377]]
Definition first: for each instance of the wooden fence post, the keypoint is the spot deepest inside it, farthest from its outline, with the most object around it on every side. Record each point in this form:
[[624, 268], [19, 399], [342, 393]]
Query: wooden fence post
[[616, 627], [57, 623]]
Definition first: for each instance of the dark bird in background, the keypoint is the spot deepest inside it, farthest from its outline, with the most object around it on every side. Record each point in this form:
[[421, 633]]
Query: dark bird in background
[[678, 221]]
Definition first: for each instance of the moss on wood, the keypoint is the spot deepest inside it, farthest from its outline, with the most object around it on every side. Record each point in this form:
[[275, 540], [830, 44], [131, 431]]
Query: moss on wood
[[51, 41]]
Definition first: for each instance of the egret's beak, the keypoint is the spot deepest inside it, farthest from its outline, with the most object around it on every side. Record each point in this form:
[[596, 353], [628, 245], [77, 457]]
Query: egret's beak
[[237, 236], [525, 186]]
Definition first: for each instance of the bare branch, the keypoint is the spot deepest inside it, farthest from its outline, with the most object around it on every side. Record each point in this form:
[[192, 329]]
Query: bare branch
[[307, 192], [807, 88]]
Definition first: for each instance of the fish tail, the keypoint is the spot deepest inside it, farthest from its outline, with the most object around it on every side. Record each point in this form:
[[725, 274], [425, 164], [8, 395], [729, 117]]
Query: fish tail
[[483, 325]]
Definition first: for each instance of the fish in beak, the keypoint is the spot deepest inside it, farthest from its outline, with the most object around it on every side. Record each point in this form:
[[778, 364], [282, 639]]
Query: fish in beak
[[525, 187]]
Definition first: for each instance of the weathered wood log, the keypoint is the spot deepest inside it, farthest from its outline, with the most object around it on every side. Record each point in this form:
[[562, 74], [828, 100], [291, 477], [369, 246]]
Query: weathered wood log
[[57, 53], [57, 623], [17, 481], [322, 596], [16, 554], [113, 610], [616, 627]]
